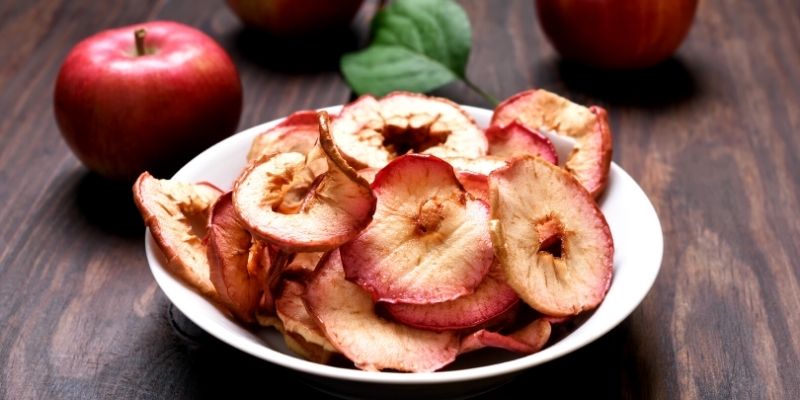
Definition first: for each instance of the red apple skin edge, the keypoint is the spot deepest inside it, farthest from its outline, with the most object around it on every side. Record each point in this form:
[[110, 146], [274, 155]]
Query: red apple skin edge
[[122, 113], [616, 34], [295, 17]]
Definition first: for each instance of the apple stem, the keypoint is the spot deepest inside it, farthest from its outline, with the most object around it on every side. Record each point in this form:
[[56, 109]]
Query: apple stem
[[139, 35]]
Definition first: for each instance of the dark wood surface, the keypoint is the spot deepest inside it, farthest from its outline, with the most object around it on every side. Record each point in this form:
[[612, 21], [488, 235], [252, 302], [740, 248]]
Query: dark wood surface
[[712, 135]]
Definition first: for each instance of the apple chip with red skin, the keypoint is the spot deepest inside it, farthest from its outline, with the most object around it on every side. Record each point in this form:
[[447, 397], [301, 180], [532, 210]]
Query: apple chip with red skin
[[297, 133], [177, 213], [492, 298], [532, 197], [239, 265], [373, 132], [516, 139], [527, 340], [345, 313], [428, 241], [541, 110], [338, 206]]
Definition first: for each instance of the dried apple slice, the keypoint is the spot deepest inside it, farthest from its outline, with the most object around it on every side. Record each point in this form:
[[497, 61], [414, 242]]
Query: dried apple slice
[[516, 139], [544, 111], [291, 310], [527, 340], [429, 242], [238, 264], [176, 214], [531, 197], [338, 207], [297, 133], [346, 314], [373, 132], [492, 298]]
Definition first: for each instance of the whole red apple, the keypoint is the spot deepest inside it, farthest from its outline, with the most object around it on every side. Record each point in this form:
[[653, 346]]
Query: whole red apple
[[616, 33], [295, 17], [146, 97]]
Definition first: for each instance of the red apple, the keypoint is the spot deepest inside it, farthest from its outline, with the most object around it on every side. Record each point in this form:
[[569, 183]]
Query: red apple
[[127, 104], [295, 17], [616, 33]]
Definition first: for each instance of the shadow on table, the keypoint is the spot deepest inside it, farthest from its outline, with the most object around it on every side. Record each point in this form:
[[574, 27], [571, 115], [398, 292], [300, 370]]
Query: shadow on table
[[318, 53], [665, 84], [109, 205], [600, 370]]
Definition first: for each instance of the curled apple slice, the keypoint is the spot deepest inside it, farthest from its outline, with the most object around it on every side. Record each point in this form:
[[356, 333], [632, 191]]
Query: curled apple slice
[[492, 298], [297, 133], [544, 111], [346, 314], [531, 198], [428, 242], [515, 139], [176, 214], [527, 340], [373, 132], [338, 207], [238, 264]]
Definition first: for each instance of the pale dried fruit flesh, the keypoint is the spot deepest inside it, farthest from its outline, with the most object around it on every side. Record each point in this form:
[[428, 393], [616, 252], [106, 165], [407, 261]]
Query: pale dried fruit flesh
[[177, 213], [492, 298], [291, 310], [531, 198], [526, 340], [515, 139], [239, 265], [372, 132], [345, 313], [428, 241], [338, 206], [541, 110]]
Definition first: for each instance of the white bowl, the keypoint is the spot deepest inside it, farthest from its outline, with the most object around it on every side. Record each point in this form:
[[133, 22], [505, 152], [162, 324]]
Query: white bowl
[[638, 249]]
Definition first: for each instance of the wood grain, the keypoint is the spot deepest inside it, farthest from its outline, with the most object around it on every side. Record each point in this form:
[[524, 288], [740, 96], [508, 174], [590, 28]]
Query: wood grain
[[710, 135]]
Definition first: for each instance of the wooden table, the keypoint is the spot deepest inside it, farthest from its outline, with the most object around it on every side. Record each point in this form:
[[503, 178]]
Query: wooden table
[[712, 136]]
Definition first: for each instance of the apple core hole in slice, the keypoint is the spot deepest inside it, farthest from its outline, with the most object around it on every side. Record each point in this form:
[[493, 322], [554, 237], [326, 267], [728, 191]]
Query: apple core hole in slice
[[551, 234], [402, 141], [197, 221]]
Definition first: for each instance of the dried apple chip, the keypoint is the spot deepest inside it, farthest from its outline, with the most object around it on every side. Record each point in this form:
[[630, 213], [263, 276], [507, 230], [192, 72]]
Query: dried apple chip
[[292, 312], [373, 132], [492, 298], [516, 139], [428, 242], [346, 314], [177, 213], [541, 110], [531, 198], [527, 340], [296, 134], [338, 207], [239, 264]]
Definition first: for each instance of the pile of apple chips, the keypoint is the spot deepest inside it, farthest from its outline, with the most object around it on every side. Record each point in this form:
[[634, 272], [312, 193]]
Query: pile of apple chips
[[398, 233]]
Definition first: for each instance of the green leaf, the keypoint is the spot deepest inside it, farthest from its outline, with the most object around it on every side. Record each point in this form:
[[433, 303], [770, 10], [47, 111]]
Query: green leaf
[[418, 45]]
